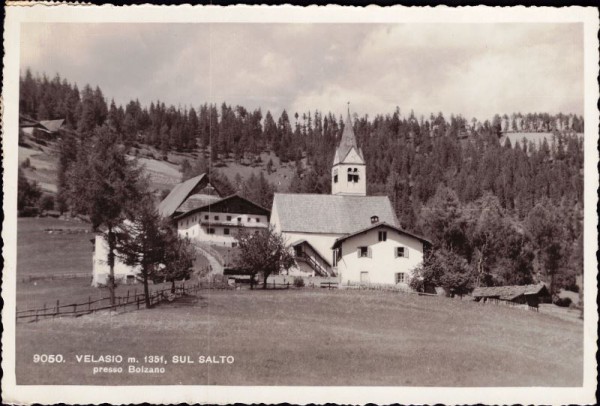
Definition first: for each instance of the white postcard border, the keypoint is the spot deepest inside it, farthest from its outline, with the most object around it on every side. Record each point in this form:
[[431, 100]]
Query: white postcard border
[[15, 15]]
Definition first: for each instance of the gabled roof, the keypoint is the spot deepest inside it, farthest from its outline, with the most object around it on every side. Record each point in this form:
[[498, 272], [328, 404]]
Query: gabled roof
[[347, 143], [49, 126], [229, 204], [178, 195], [339, 241], [52, 125], [509, 292], [330, 214], [197, 200]]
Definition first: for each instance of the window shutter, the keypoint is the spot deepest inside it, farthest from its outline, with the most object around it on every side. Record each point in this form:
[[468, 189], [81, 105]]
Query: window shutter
[[405, 252], [395, 252], [369, 252], [358, 252]]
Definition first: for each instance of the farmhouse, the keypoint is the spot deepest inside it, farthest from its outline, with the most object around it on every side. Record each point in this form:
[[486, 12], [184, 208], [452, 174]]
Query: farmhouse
[[100, 269], [531, 295], [191, 194], [28, 125], [326, 230], [200, 213], [381, 253], [217, 222]]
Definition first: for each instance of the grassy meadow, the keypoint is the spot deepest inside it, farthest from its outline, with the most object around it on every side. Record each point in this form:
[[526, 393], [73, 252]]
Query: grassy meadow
[[287, 337], [313, 337]]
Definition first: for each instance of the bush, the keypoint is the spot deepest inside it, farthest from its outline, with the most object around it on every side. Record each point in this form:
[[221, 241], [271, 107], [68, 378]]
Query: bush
[[563, 301], [47, 202], [299, 282], [26, 163]]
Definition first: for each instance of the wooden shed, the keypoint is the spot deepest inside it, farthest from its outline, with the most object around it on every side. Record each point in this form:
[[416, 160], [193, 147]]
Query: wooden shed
[[531, 295]]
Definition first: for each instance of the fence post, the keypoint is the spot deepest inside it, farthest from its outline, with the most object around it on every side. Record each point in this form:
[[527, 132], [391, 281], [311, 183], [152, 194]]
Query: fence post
[[75, 308], [89, 302], [36, 315], [288, 285], [57, 307], [138, 303], [127, 300], [44, 309]]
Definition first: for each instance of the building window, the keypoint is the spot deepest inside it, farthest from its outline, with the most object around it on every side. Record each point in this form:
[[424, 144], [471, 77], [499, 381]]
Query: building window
[[401, 252], [228, 218], [248, 219], [239, 219], [233, 244], [216, 217], [364, 252], [335, 176], [353, 175], [211, 230], [383, 236], [226, 231], [257, 220], [401, 277], [206, 217]]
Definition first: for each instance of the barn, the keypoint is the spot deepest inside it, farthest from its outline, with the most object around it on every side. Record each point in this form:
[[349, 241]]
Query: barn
[[531, 295]]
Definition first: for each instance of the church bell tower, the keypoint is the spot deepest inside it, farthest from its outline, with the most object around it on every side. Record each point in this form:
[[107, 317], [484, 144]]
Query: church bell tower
[[349, 171]]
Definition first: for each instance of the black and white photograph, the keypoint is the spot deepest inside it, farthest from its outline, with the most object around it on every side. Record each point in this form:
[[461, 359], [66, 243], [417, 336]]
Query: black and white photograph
[[222, 198]]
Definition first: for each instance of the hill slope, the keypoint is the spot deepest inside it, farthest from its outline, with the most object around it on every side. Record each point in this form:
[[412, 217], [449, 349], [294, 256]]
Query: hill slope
[[163, 175]]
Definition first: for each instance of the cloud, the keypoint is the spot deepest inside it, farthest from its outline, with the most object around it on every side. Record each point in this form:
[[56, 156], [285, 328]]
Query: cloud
[[469, 69]]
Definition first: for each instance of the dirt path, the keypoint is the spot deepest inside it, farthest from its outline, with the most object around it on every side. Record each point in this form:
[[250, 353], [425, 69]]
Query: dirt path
[[215, 264]]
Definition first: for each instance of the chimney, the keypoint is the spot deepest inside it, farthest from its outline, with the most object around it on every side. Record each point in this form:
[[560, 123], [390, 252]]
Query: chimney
[[374, 219]]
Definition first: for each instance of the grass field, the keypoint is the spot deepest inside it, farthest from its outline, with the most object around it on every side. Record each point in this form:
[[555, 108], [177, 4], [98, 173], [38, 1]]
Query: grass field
[[313, 337], [39, 252], [42, 253], [291, 337]]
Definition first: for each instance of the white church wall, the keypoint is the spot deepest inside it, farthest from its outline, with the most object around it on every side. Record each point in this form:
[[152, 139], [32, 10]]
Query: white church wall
[[382, 265], [322, 243]]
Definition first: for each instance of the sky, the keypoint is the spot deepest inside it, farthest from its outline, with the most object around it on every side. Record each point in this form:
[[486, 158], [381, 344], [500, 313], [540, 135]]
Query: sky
[[475, 70]]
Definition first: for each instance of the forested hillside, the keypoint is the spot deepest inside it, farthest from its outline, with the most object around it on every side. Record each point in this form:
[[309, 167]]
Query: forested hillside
[[497, 213]]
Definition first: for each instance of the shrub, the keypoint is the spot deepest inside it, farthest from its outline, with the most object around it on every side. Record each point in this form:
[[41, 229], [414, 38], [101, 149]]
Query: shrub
[[26, 163], [299, 282], [47, 202], [563, 301]]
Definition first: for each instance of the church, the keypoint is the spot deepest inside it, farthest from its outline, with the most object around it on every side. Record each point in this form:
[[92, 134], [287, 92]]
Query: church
[[347, 234]]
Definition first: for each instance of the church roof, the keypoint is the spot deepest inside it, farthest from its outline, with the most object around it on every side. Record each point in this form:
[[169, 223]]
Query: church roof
[[178, 195], [347, 142], [330, 214]]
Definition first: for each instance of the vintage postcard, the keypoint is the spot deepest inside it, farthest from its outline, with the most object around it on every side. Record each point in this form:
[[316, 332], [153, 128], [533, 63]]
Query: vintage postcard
[[299, 204]]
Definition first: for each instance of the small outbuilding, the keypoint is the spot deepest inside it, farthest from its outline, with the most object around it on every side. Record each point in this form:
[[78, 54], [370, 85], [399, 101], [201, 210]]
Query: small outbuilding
[[531, 295]]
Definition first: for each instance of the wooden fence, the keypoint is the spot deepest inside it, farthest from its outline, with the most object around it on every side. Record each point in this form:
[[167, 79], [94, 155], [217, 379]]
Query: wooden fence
[[134, 301], [72, 275]]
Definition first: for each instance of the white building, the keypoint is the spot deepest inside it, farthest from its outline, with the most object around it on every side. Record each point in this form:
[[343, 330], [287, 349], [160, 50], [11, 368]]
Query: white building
[[218, 222], [312, 223], [200, 213], [381, 254], [100, 269], [324, 229]]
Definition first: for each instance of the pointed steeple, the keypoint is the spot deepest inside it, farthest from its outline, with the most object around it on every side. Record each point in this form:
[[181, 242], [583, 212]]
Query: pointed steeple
[[348, 141]]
